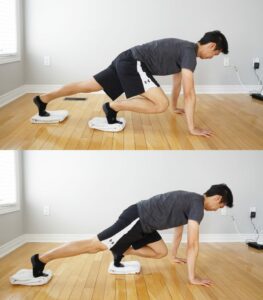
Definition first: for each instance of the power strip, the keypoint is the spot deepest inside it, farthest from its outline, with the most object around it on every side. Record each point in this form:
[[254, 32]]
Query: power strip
[[255, 245], [257, 96]]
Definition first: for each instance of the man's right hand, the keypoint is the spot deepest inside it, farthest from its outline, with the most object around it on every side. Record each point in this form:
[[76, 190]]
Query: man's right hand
[[201, 132], [179, 260], [199, 281]]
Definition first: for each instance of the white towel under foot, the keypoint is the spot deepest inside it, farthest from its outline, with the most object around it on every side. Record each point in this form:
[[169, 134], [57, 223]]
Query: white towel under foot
[[25, 277], [102, 124], [130, 267], [56, 116]]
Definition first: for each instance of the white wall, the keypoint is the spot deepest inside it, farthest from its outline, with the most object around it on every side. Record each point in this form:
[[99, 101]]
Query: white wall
[[83, 36], [87, 190], [11, 226], [11, 76]]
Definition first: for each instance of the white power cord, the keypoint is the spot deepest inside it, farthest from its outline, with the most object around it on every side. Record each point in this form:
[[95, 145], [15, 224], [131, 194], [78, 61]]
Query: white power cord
[[260, 80], [236, 227], [257, 229]]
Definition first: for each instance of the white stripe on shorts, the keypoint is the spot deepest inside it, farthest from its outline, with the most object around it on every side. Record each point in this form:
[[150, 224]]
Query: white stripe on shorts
[[110, 242], [146, 81]]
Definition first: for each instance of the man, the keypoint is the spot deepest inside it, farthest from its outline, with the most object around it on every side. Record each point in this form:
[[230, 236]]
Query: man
[[135, 232], [132, 73]]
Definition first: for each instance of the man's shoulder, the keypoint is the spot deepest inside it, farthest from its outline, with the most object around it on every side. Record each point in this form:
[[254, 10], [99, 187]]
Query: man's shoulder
[[179, 193], [183, 43], [189, 195], [172, 40]]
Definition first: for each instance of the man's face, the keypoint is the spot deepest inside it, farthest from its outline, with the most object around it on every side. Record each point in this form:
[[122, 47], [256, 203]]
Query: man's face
[[209, 51], [214, 203]]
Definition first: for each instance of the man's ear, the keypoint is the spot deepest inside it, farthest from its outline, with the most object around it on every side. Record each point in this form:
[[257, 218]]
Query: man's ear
[[212, 46], [218, 198]]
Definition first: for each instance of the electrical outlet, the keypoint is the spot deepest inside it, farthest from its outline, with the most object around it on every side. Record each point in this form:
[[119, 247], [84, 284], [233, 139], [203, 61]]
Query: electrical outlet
[[256, 63], [46, 210], [226, 61], [47, 62], [252, 212]]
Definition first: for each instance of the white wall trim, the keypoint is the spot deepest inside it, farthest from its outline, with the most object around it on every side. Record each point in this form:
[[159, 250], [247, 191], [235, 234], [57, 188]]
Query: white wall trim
[[218, 89], [61, 238], [204, 238], [200, 89], [215, 238], [12, 245], [12, 95]]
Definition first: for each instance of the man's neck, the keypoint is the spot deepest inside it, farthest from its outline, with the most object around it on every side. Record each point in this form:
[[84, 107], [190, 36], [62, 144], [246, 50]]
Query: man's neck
[[205, 201], [198, 50]]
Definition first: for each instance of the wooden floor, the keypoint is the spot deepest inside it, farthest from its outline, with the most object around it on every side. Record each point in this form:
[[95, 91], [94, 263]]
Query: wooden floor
[[236, 270], [236, 120]]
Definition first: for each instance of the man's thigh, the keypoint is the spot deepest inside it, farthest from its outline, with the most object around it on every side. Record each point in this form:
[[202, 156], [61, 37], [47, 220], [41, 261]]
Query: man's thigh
[[156, 95], [158, 247]]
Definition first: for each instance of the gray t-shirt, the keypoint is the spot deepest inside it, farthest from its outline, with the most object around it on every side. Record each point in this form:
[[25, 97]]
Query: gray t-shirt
[[170, 210], [167, 56]]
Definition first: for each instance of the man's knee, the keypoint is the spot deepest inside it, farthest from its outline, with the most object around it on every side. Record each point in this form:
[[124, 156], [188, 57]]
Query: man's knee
[[162, 106], [158, 98], [161, 252], [97, 245]]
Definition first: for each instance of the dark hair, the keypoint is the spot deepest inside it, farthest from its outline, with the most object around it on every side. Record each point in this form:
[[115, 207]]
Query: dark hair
[[215, 37], [222, 190]]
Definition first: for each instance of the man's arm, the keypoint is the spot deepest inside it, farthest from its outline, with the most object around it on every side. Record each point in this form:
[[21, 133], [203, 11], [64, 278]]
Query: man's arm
[[177, 83], [177, 237], [189, 103], [192, 252]]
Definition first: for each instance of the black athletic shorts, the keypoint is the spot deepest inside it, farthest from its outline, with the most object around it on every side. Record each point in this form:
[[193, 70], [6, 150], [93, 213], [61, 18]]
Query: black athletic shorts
[[127, 232], [126, 75]]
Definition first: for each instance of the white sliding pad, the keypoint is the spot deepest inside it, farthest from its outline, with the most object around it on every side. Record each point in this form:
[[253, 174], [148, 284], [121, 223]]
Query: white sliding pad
[[102, 124], [56, 116], [130, 267], [25, 277]]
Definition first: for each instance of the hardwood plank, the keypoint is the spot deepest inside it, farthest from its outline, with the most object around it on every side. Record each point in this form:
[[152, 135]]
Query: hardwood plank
[[139, 137], [236, 120], [237, 273], [82, 278]]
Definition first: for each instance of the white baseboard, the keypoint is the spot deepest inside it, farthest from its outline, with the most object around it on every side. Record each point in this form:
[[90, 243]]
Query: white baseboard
[[167, 237], [12, 95], [217, 89], [200, 89], [61, 238], [214, 238], [12, 245]]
